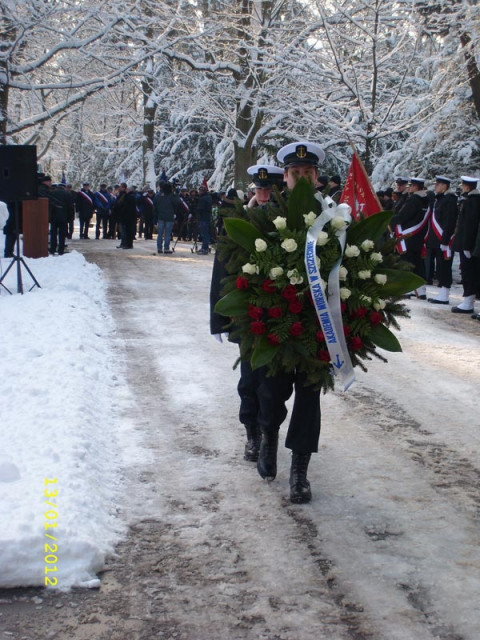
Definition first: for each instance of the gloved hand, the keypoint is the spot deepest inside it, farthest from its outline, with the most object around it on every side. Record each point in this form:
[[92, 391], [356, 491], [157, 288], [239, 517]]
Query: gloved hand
[[444, 247], [467, 254]]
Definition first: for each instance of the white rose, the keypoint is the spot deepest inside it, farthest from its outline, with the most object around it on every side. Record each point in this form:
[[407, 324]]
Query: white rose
[[249, 268], [294, 276], [280, 223], [260, 245], [338, 223], [379, 304], [342, 273], [376, 258], [317, 262], [345, 293], [365, 274], [367, 245], [380, 278], [322, 238], [366, 299], [275, 272], [309, 218], [289, 245], [352, 251]]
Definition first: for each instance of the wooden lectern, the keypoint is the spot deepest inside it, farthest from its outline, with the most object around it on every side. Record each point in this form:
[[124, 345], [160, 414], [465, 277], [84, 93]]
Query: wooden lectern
[[35, 228]]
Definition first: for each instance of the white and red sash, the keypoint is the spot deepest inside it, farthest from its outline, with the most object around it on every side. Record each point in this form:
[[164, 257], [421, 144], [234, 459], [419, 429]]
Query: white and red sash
[[438, 231], [403, 234], [102, 198], [87, 197]]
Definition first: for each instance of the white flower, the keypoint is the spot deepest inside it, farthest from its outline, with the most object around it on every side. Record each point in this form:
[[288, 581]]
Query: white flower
[[322, 238], [367, 245], [352, 251], [289, 245], [294, 276], [260, 245], [317, 262], [275, 272], [342, 273], [280, 223], [365, 274], [249, 268], [379, 304], [338, 223], [345, 293], [380, 278], [376, 258], [366, 299], [309, 218]]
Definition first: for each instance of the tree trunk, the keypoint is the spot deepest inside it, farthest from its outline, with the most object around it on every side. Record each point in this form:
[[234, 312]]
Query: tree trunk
[[3, 101], [472, 70]]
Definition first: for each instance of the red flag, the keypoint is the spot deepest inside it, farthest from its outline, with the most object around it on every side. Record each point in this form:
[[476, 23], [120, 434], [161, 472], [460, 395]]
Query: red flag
[[204, 184], [358, 191]]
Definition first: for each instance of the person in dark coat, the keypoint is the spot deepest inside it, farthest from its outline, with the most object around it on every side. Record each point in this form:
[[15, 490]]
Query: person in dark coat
[[204, 212], [85, 208], [72, 197], [103, 205], [401, 193], [10, 228], [440, 236], [125, 209], [335, 189], [411, 221], [60, 205], [467, 243], [166, 206], [145, 205]]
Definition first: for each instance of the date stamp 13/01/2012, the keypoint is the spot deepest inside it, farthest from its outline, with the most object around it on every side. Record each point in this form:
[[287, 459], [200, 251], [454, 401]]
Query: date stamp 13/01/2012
[[51, 548]]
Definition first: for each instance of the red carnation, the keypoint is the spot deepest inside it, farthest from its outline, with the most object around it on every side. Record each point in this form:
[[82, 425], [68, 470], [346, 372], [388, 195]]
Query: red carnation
[[320, 336], [323, 355], [275, 312], [290, 293], [255, 312], [361, 312], [269, 286], [346, 330], [242, 283], [376, 318], [273, 339], [295, 306], [258, 328], [296, 329], [356, 343]]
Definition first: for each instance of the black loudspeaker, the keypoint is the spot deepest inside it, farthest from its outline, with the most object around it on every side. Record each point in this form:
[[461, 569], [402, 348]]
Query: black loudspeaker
[[18, 173]]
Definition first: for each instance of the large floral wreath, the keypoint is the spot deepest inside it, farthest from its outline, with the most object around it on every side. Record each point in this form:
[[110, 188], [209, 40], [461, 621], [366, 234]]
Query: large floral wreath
[[267, 294]]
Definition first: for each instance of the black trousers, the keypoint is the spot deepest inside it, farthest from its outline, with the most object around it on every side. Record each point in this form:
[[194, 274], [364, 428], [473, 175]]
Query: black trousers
[[470, 274], [58, 232], [444, 268], [414, 256], [263, 400]]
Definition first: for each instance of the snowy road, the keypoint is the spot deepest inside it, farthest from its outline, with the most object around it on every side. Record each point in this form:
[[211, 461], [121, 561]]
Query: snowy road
[[389, 547]]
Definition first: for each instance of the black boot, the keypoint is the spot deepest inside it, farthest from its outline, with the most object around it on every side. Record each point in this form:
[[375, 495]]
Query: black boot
[[300, 491], [267, 457], [252, 447]]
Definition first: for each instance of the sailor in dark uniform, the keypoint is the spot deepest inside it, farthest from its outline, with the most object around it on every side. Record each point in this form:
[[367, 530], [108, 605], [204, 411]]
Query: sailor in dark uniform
[[440, 236], [467, 243], [401, 192], [411, 220]]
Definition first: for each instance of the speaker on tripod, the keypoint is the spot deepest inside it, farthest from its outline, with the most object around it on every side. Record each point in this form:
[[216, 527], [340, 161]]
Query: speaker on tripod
[[18, 182]]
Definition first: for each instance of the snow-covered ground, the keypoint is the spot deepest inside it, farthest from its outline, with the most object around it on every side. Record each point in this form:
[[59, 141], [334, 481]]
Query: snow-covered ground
[[390, 540], [61, 452]]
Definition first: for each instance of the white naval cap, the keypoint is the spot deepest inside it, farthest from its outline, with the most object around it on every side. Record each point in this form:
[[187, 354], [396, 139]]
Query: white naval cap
[[301, 152], [265, 175], [417, 180], [401, 180], [442, 179], [469, 180]]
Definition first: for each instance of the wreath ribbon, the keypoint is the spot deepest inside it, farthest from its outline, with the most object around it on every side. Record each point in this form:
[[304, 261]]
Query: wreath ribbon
[[328, 309]]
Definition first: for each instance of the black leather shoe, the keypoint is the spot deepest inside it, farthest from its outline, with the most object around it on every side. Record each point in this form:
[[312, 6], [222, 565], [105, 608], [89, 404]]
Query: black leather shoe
[[458, 310], [300, 492], [267, 457], [435, 301], [423, 296], [476, 316], [252, 446]]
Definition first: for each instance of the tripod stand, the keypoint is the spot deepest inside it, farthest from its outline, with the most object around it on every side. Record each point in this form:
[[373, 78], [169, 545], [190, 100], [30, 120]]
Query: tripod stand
[[18, 260]]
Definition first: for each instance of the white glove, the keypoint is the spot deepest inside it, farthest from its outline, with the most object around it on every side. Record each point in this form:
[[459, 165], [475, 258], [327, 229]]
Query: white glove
[[444, 247], [467, 254]]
